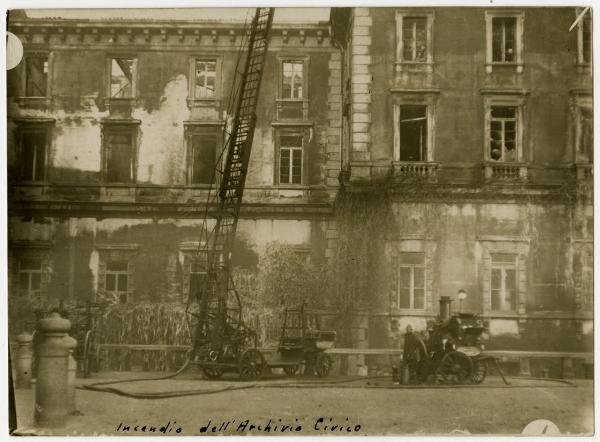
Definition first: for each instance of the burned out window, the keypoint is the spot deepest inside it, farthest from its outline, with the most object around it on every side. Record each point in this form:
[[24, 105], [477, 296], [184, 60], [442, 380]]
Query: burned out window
[[410, 280], [292, 79], [205, 78], [116, 284], [413, 133], [36, 76], [503, 133], [30, 277], [504, 36], [414, 38], [122, 77], [291, 152], [119, 154], [203, 150], [504, 282], [33, 141]]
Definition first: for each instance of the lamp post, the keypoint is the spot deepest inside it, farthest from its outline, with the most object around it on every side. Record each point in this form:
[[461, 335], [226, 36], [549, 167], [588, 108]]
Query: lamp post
[[462, 295]]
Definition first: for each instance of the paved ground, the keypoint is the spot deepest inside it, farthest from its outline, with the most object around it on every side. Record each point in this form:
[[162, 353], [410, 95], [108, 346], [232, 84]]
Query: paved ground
[[375, 405]]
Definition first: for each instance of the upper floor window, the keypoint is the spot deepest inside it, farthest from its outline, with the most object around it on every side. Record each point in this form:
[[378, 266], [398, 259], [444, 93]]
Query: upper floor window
[[36, 75], [33, 146], [504, 30], [584, 37], [413, 133], [414, 36], [205, 78], [30, 277], [503, 133], [123, 73], [291, 158], [119, 153], [116, 279], [292, 79], [503, 281], [202, 153]]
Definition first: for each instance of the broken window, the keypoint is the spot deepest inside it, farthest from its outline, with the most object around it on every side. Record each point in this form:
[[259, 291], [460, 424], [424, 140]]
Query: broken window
[[122, 76], [411, 280], [203, 156], [119, 155], [33, 141], [290, 159], [503, 133], [504, 36], [293, 79], [36, 76], [205, 78], [504, 282], [117, 272], [414, 38], [30, 276], [413, 133]]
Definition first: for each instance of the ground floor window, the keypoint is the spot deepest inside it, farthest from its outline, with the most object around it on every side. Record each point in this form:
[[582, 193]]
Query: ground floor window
[[30, 277], [504, 282], [117, 273]]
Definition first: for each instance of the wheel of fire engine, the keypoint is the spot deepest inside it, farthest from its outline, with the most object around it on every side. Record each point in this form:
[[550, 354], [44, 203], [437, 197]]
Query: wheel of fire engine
[[456, 367], [212, 372], [479, 371], [323, 364], [251, 364], [291, 370]]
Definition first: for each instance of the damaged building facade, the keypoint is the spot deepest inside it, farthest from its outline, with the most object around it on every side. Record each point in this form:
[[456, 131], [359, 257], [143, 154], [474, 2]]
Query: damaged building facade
[[464, 162], [114, 128], [476, 124]]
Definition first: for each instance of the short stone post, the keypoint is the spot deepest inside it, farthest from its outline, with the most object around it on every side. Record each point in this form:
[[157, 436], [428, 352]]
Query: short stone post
[[567, 368], [24, 360], [51, 393], [524, 367]]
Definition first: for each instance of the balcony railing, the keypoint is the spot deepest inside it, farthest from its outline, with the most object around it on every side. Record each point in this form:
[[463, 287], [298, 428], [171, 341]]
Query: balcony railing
[[414, 169], [505, 171]]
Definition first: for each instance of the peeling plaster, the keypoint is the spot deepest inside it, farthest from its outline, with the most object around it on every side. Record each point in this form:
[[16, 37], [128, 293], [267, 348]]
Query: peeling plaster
[[504, 327]]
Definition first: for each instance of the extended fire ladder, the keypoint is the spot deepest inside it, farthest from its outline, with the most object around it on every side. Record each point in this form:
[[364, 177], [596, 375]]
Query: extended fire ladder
[[219, 333]]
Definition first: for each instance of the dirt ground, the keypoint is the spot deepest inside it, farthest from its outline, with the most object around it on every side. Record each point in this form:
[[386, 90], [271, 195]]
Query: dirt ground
[[359, 407]]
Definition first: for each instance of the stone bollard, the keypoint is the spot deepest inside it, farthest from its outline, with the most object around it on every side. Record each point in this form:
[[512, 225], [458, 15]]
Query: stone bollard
[[51, 393], [24, 360]]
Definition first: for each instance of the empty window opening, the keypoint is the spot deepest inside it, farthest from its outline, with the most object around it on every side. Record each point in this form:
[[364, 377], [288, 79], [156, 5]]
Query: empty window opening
[[293, 79], [117, 272], [119, 156], [290, 159], [30, 277], [504, 39], [504, 282], [413, 133], [414, 38], [122, 74], [206, 78], [503, 133], [36, 76], [204, 148], [33, 154]]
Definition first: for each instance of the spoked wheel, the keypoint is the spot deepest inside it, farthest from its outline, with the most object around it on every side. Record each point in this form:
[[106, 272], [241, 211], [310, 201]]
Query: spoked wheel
[[456, 367], [251, 365], [212, 372], [291, 370], [323, 364], [479, 371]]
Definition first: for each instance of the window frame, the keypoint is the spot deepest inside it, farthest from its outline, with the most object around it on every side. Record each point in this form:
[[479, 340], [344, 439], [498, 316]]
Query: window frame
[[578, 103], [503, 267], [194, 129], [134, 80], [305, 139], [519, 17], [218, 59], [417, 98], [501, 100], [580, 34], [36, 54], [429, 16], [30, 272], [281, 60], [411, 286], [34, 127], [132, 128], [116, 293]]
